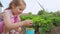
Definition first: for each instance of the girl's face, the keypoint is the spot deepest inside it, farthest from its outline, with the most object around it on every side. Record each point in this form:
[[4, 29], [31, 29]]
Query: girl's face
[[19, 9]]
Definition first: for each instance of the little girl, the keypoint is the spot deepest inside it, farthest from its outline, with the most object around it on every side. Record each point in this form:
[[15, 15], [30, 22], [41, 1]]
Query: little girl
[[11, 17]]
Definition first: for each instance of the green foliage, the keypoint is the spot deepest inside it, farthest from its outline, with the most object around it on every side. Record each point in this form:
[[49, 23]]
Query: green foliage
[[41, 12], [39, 22], [44, 21], [56, 21], [30, 13]]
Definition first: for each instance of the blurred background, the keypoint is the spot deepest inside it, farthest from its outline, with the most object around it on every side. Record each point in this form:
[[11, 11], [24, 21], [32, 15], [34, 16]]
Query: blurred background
[[44, 13], [34, 7]]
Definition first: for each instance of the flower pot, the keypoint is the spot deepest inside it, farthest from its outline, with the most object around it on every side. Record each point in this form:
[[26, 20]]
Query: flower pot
[[30, 31]]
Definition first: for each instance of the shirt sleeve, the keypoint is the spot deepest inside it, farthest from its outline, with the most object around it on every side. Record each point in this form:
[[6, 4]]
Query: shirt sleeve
[[6, 16]]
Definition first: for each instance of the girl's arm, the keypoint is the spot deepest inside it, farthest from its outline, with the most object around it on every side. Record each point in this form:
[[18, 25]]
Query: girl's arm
[[9, 24], [19, 18]]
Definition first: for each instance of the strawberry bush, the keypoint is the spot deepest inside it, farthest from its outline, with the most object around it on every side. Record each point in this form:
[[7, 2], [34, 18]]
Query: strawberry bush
[[43, 22]]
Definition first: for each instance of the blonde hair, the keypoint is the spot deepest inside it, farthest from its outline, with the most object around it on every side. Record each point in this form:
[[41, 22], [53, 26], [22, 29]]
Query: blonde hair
[[16, 2]]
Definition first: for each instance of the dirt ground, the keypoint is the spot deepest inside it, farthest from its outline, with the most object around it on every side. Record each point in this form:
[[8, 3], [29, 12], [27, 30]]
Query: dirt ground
[[55, 30]]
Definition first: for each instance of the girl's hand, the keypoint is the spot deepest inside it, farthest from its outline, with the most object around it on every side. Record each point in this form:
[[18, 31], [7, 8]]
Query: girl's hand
[[27, 23]]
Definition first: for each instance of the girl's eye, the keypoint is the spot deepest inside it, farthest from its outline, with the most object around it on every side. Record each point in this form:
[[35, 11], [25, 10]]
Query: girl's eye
[[20, 9]]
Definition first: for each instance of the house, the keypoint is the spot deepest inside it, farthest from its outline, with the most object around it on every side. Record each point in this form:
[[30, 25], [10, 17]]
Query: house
[[0, 7]]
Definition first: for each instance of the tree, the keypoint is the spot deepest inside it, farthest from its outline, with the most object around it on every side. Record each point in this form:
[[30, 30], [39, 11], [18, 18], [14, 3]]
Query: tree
[[30, 13], [57, 13], [41, 12]]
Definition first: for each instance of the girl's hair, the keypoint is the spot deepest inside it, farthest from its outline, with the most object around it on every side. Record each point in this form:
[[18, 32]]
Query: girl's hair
[[16, 2]]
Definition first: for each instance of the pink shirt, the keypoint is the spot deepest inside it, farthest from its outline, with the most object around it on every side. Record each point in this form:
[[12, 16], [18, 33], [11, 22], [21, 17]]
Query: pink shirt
[[14, 19]]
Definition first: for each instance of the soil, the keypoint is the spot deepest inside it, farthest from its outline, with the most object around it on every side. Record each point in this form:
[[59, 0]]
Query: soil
[[55, 30]]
